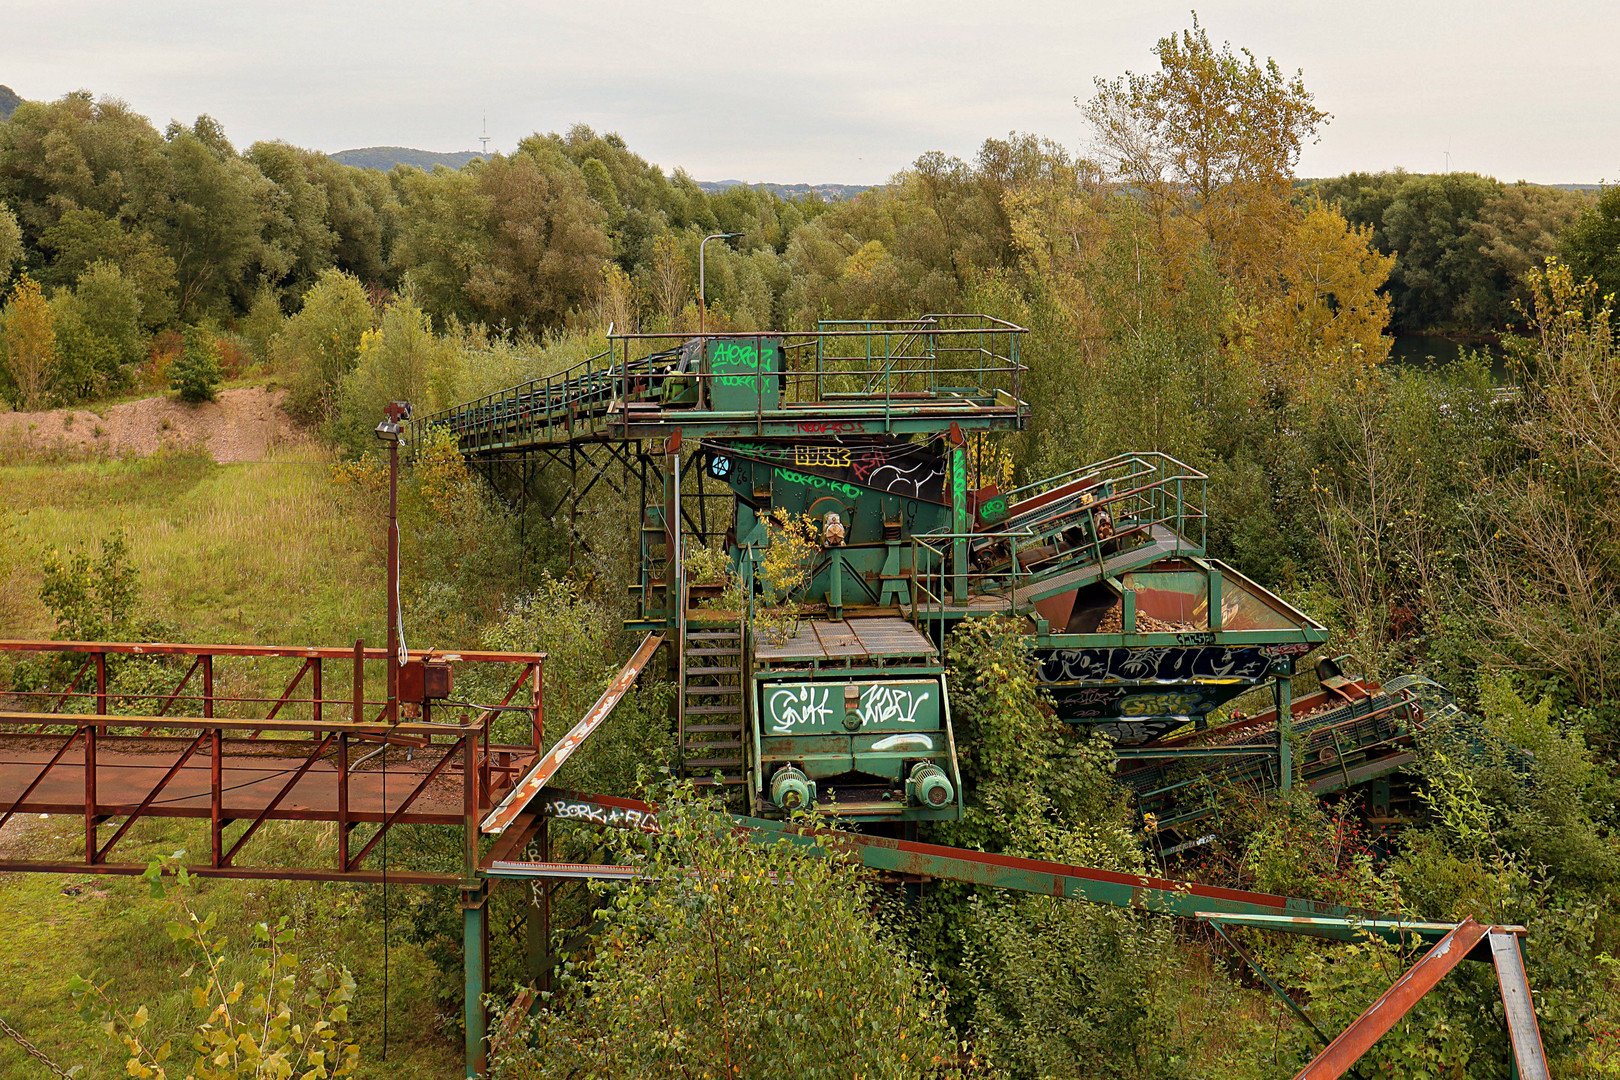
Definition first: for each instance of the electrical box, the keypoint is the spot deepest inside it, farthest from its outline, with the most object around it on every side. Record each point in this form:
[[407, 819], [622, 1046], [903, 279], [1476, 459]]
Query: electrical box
[[425, 680]]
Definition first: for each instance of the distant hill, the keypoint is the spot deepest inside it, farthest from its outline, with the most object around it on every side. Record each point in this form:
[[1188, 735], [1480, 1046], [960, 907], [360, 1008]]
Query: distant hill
[[829, 192], [386, 157], [8, 102]]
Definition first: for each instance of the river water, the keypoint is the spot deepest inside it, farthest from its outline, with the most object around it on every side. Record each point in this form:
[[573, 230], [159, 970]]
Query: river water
[[1428, 352]]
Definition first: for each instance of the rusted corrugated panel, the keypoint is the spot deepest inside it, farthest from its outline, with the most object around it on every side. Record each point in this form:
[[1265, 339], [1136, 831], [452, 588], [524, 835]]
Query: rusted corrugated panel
[[1395, 1003], [530, 785]]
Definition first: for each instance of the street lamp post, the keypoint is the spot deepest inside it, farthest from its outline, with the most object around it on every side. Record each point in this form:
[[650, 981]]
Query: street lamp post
[[389, 431], [702, 299]]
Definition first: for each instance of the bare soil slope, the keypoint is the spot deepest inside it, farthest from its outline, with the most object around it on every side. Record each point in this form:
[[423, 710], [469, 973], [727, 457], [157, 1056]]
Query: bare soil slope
[[241, 426]]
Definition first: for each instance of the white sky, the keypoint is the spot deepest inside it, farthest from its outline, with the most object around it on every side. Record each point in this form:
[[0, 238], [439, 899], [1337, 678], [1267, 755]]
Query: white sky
[[830, 91]]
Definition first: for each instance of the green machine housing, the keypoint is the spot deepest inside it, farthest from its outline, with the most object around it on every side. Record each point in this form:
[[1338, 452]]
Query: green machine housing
[[855, 717]]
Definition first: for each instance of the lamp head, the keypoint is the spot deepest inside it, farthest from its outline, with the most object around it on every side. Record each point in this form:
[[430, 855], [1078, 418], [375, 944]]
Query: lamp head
[[395, 413]]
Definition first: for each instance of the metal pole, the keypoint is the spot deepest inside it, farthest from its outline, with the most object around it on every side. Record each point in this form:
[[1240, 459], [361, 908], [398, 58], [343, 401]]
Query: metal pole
[[393, 582], [702, 298], [1283, 693], [475, 948]]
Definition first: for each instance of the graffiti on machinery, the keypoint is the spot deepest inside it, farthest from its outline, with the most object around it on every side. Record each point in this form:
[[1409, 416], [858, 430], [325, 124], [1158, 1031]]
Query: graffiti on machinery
[[820, 483], [793, 707], [1159, 664], [910, 470], [1288, 648], [1161, 704], [828, 427], [596, 814], [820, 457], [732, 357], [884, 704]]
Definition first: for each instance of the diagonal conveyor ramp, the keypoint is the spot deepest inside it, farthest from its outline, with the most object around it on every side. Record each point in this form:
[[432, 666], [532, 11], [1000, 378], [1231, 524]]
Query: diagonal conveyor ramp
[[541, 774]]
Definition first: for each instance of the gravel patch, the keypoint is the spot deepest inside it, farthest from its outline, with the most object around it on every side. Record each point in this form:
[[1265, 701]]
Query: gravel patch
[[242, 425]]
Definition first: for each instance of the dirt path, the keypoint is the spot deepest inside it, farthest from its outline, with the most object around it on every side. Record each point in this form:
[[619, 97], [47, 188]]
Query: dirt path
[[241, 426]]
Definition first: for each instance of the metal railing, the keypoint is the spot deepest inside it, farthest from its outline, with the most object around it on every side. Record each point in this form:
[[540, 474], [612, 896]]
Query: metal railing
[[881, 365], [1050, 531], [1331, 742]]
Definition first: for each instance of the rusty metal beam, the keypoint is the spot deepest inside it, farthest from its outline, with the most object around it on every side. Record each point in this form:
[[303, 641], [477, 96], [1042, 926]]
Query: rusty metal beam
[[389, 821], [518, 798], [513, 840], [192, 723], [1519, 1007], [1271, 984], [170, 700], [136, 648], [253, 826], [152, 795], [29, 790], [252, 873], [1394, 1003], [287, 693], [1398, 932], [1144, 891], [74, 685]]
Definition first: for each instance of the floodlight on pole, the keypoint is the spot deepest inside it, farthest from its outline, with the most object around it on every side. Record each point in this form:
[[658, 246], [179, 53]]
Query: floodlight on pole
[[390, 431]]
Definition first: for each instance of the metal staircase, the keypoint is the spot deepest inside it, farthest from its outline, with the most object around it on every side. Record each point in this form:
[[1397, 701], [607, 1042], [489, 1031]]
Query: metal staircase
[[711, 729]]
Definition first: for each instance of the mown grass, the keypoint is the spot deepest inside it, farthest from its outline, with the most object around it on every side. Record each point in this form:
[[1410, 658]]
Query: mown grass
[[268, 552]]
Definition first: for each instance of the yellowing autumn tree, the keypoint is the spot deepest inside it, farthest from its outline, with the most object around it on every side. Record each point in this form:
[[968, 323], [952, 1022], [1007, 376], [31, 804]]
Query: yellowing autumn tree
[[1316, 308], [27, 347], [1210, 142]]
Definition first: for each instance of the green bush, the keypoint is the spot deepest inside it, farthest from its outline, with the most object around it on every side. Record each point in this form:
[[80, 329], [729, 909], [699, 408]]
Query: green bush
[[99, 339], [320, 344], [733, 958], [195, 372]]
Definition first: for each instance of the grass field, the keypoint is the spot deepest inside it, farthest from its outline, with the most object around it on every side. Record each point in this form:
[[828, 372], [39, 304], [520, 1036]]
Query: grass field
[[269, 552]]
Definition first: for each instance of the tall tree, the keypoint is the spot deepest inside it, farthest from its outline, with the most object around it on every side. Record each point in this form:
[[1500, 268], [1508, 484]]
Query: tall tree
[[1591, 245], [28, 347], [511, 242], [297, 242], [11, 244], [1211, 138], [77, 152], [98, 332], [210, 214], [83, 237]]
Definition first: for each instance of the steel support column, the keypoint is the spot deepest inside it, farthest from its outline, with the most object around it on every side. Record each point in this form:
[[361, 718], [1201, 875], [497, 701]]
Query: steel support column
[[475, 969], [1283, 692]]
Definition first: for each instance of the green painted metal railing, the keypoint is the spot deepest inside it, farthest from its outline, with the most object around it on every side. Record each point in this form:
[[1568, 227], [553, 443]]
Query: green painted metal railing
[[882, 369], [1139, 492]]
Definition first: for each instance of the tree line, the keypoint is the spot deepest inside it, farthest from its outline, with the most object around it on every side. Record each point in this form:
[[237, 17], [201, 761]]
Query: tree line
[[1185, 292], [129, 235]]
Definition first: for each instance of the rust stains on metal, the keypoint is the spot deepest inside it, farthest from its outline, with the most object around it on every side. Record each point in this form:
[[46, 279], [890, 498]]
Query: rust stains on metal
[[530, 785], [1394, 1003], [164, 648], [1518, 1006], [959, 864]]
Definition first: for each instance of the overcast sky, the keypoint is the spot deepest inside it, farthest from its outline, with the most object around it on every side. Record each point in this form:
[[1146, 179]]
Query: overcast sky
[[845, 91]]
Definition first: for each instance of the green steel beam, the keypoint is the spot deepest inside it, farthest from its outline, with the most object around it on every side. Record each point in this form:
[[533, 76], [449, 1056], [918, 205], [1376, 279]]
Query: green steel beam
[[1142, 891], [1192, 751]]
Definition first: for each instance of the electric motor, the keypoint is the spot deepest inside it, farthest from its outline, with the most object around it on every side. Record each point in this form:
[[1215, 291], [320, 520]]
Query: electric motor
[[791, 789], [929, 786]]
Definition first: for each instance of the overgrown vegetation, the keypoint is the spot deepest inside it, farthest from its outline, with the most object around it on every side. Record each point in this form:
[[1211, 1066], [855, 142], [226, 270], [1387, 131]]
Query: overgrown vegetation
[[1185, 292]]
